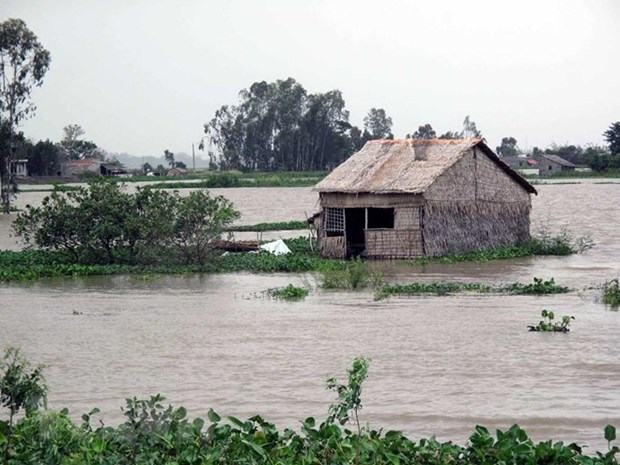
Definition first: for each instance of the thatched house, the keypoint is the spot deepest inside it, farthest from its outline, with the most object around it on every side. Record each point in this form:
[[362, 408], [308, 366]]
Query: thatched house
[[413, 198], [551, 164]]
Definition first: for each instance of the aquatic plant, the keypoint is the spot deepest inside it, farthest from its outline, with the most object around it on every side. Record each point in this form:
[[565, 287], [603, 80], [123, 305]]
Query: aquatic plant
[[289, 292], [156, 433], [538, 287], [611, 293], [349, 401], [355, 274], [548, 323]]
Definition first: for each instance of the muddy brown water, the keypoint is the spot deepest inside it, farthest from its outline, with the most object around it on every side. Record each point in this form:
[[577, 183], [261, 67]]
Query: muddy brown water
[[440, 365]]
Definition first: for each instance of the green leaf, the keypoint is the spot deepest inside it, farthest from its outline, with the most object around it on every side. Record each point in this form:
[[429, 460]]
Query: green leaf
[[258, 449], [214, 417], [610, 433]]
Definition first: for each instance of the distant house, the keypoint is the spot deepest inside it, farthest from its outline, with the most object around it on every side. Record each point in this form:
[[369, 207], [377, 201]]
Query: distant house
[[176, 171], [519, 163], [19, 168], [420, 197], [552, 164], [110, 169], [78, 167]]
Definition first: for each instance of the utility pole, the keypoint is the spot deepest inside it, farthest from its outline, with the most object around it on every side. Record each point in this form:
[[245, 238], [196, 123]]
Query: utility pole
[[193, 158]]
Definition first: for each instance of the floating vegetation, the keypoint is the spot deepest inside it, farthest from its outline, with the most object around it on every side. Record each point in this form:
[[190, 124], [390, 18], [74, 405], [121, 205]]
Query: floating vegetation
[[611, 293], [549, 325], [538, 287], [290, 293]]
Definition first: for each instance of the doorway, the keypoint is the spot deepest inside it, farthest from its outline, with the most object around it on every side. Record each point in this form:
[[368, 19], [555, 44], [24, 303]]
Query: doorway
[[355, 221]]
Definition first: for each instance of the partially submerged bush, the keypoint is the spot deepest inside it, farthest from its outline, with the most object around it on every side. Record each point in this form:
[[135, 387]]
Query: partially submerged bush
[[611, 293], [355, 274], [103, 224], [547, 324], [289, 292]]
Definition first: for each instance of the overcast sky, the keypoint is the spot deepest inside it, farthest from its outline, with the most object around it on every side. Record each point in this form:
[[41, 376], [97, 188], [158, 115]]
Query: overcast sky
[[143, 76]]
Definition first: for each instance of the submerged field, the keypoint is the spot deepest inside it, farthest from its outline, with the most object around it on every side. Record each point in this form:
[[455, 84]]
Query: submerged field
[[440, 364]]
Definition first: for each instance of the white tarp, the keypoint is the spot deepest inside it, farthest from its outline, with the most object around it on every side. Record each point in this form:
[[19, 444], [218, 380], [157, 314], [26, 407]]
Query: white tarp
[[276, 247]]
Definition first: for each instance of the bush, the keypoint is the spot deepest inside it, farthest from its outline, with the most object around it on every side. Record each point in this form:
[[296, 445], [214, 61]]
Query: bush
[[611, 293], [103, 224], [289, 292]]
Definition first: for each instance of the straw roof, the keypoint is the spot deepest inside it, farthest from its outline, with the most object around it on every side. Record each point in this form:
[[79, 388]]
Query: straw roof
[[404, 166], [559, 160]]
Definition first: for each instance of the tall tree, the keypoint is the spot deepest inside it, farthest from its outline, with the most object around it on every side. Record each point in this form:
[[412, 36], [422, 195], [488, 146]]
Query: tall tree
[[508, 147], [378, 124], [425, 132], [169, 157], [279, 126], [76, 148], [451, 135], [470, 129], [612, 136], [23, 64]]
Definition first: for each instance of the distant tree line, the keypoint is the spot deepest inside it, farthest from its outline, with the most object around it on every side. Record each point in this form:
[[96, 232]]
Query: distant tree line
[[596, 157], [280, 126], [46, 157]]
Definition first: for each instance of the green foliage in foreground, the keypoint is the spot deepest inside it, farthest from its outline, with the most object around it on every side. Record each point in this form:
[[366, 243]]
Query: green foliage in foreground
[[549, 325], [278, 226], [538, 287], [611, 293], [154, 433], [289, 293]]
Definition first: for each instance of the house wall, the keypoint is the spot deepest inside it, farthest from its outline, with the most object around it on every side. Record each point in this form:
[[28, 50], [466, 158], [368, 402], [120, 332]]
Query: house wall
[[394, 243], [550, 167], [474, 205], [404, 241]]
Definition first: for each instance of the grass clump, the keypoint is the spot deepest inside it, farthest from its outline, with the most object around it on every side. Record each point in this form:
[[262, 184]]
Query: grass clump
[[549, 325], [355, 274], [611, 293], [289, 293]]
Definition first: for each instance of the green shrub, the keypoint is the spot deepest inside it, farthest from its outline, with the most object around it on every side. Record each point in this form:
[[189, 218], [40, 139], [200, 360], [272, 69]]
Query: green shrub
[[611, 293], [289, 292], [102, 224]]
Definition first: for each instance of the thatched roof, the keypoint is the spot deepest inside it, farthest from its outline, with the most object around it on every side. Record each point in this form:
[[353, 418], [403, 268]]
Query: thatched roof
[[559, 160], [405, 166]]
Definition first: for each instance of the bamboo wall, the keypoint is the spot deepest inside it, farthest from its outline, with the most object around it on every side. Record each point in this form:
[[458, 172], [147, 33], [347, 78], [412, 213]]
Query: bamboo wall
[[474, 205], [394, 243]]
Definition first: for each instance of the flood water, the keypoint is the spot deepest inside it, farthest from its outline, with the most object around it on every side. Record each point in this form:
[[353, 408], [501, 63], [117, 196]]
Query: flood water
[[440, 365]]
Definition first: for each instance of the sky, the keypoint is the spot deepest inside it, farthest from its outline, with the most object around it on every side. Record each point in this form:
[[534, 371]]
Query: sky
[[141, 76]]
